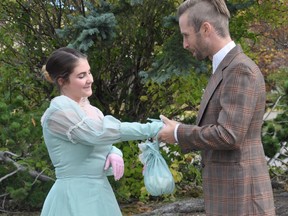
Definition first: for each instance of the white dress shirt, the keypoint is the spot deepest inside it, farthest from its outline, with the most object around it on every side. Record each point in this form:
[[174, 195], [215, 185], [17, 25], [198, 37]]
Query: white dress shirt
[[220, 55]]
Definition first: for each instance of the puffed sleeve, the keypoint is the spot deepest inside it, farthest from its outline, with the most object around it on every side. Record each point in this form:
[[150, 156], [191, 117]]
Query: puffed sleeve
[[65, 119]]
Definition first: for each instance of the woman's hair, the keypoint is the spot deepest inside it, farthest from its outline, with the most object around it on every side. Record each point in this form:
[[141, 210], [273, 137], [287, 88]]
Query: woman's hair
[[213, 11], [61, 64]]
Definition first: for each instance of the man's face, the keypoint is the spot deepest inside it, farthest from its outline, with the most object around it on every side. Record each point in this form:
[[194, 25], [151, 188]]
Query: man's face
[[192, 41]]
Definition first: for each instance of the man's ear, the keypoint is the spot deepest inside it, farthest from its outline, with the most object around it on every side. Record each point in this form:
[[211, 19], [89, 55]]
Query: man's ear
[[206, 28]]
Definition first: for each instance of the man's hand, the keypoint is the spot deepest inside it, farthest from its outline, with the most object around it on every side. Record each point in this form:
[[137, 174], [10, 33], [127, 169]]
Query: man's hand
[[117, 164], [166, 134]]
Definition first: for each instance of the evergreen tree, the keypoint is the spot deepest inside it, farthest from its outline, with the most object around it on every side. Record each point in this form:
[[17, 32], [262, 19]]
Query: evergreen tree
[[275, 131], [98, 25]]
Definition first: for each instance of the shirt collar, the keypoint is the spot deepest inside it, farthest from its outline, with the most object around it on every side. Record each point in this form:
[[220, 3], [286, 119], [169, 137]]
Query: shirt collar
[[219, 56]]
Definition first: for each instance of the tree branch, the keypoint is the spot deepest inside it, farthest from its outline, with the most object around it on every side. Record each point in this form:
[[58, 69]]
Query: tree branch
[[5, 157], [276, 103]]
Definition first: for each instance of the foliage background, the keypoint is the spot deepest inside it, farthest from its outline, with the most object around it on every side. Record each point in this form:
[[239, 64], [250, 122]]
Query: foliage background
[[140, 70]]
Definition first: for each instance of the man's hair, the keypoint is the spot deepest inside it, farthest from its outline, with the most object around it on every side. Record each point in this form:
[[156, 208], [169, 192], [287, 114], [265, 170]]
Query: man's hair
[[213, 11]]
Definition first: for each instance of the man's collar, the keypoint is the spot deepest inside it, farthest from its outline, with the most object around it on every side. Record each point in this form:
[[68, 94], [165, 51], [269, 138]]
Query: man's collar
[[219, 56]]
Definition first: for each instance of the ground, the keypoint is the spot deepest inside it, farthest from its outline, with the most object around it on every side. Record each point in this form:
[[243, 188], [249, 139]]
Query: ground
[[194, 207], [141, 209]]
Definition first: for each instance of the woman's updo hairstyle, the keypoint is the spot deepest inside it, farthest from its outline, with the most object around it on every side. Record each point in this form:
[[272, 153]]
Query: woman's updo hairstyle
[[61, 64]]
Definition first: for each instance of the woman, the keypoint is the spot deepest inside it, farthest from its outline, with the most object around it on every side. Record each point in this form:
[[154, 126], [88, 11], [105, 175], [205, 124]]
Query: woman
[[80, 139]]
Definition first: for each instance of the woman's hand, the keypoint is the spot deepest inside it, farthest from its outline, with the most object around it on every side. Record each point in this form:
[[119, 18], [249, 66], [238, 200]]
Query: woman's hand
[[117, 164]]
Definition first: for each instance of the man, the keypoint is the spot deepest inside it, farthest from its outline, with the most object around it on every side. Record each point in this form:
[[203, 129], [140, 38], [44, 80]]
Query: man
[[228, 127]]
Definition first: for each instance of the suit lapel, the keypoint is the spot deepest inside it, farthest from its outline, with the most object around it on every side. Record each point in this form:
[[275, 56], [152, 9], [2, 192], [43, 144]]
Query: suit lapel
[[215, 80]]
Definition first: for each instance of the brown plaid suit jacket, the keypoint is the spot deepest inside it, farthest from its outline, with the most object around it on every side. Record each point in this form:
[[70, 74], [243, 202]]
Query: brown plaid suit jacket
[[228, 132]]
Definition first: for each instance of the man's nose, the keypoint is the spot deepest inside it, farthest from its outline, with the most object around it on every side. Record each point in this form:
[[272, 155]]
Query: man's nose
[[185, 44]]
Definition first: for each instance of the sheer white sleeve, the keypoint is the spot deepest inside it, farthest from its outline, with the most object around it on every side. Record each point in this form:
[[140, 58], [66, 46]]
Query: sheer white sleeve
[[67, 120]]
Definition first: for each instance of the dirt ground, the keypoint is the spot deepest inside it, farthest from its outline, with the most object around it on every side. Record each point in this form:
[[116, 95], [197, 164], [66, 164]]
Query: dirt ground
[[152, 209], [281, 203], [138, 209]]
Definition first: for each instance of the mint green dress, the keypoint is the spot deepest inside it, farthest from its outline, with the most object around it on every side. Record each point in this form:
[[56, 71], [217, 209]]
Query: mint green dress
[[79, 138]]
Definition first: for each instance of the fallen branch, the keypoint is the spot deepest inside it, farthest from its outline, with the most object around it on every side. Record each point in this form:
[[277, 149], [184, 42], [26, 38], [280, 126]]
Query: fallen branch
[[282, 152], [8, 175], [274, 106], [5, 156]]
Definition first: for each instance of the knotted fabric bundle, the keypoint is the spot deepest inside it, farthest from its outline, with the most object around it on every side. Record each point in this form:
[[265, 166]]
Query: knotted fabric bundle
[[158, 179]]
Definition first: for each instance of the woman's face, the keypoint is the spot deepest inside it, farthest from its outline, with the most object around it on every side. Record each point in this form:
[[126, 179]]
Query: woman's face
[[80, 82]]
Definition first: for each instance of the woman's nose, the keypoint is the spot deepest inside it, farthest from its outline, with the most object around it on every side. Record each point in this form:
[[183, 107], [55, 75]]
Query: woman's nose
[[90, 79]]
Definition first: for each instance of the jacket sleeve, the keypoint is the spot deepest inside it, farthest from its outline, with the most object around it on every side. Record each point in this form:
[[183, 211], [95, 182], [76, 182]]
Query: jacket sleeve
[[228, 113]]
